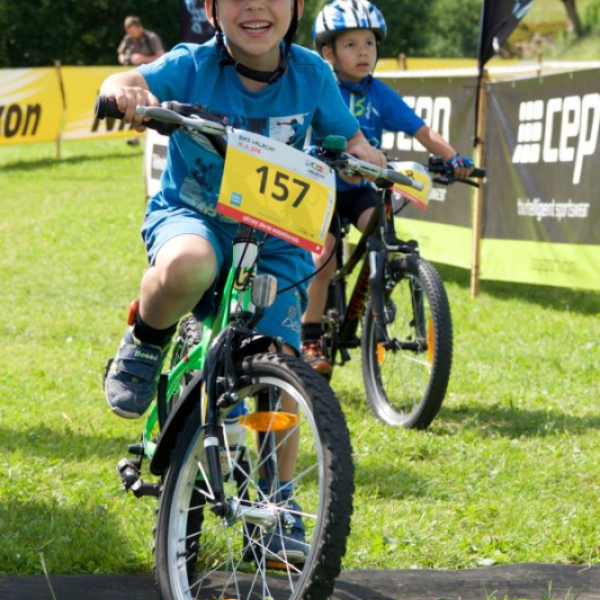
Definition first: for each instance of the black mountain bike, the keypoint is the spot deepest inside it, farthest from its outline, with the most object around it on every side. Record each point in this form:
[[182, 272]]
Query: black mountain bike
[[398, 311]]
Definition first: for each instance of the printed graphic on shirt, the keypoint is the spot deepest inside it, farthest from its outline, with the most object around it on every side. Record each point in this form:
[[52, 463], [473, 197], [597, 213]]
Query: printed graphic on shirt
[[200, 189]]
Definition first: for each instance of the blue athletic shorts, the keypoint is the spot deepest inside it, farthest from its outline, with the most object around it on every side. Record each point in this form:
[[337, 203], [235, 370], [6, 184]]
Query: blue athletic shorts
[[287, 263]]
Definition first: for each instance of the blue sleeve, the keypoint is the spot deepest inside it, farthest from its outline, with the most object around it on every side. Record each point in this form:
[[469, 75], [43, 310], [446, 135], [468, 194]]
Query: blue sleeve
[[332, 116], [396, 115], [167, 75]]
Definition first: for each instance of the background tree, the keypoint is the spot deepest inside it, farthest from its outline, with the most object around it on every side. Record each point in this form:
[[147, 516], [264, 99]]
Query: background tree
[[573, 16], [87, 32]]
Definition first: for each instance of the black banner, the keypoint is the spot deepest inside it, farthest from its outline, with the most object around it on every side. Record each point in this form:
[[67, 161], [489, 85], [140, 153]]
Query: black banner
[[498, 20], [446, 105], [194, 25], [542, 149]]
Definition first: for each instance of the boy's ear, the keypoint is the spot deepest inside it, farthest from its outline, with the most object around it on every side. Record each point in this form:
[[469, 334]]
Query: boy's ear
[[209, 6], [300, 8], [327, 53]]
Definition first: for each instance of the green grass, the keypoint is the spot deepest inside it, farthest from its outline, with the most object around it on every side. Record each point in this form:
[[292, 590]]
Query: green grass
[[507, 473]]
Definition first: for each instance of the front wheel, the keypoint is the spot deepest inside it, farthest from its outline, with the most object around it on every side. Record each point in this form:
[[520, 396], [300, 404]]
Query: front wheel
[[406, 380], [253, 550]]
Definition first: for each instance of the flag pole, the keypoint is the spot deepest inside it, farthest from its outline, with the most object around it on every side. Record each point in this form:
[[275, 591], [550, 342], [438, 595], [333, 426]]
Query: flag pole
[[479, 156]]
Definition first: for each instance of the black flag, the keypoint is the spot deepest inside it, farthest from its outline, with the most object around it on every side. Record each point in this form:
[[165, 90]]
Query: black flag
[[499, 18], [195, 27]]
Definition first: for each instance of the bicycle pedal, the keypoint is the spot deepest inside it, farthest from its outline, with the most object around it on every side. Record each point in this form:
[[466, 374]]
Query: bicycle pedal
[[128, 472]]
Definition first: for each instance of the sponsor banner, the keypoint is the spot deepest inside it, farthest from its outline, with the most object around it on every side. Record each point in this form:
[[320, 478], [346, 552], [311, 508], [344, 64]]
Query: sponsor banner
[[544, 159], [446, 105], [541, 263], [194, 25], [81, 86], [443, 244], [31, 105]]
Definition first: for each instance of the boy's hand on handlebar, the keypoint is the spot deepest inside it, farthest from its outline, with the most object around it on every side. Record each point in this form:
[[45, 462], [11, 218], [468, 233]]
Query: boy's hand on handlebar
[[360, 147], [129, 98], [461, 166]]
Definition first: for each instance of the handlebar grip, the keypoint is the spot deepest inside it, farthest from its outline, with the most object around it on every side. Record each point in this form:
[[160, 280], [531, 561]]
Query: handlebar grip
[[107, 108], [478, 173]]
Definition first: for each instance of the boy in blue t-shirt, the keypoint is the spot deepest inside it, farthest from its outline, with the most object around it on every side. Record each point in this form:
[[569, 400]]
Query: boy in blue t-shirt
[[252, 75], [346, 34]]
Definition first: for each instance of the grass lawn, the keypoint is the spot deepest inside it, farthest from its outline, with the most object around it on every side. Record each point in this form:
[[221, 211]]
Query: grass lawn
[[508, 472]]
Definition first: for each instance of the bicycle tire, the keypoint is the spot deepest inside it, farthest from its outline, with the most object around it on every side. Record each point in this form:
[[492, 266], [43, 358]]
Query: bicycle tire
[[189, 334], [215, 567], [406, 387]]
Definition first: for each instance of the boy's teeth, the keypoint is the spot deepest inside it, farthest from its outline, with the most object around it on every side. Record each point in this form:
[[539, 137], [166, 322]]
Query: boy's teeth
[[255, 25]]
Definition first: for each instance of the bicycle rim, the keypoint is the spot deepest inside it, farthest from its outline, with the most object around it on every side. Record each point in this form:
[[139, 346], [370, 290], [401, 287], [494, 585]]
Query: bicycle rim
[[406, 385], [201, 555]]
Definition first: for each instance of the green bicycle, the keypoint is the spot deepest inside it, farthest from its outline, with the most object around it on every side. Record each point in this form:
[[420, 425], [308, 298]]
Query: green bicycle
[[225, 411]]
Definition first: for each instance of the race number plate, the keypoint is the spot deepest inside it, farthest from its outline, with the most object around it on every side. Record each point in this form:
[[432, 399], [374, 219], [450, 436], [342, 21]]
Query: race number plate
[[417, 172], [277, 189]]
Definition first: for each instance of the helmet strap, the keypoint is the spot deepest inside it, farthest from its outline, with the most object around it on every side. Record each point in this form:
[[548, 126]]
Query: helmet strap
[[268, 77]]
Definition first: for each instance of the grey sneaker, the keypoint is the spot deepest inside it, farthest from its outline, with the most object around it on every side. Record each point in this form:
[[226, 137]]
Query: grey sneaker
[[131, 379], [287, 544]]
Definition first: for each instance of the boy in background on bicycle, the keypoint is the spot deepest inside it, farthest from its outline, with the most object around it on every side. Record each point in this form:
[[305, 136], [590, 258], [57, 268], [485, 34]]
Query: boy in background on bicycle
[[346, 34], [250, 73]]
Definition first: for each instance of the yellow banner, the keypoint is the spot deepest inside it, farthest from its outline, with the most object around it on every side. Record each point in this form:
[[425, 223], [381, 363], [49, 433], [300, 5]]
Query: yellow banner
[[31, 105], [81, 85]]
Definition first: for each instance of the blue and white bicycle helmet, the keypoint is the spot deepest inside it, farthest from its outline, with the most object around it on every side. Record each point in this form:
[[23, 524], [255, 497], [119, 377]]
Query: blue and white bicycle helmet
[[341, 15]]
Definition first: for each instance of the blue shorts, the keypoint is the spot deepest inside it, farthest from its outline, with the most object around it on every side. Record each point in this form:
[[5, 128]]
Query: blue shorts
[[287, 263]]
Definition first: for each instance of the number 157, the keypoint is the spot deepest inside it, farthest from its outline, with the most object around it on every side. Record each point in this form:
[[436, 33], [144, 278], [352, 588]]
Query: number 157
[[280, 182]]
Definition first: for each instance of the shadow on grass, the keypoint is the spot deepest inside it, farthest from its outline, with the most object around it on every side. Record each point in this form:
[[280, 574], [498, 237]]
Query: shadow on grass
[[583, 302], [74, 538], [67, 444], [43, 163], [512, 421]]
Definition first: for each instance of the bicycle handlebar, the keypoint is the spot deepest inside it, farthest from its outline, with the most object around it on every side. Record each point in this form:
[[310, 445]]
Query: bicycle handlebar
[[354, 166], [170, 115]]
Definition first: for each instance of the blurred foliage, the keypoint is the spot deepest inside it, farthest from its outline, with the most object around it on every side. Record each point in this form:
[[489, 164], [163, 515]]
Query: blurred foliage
[[76, 32], [88, 32]]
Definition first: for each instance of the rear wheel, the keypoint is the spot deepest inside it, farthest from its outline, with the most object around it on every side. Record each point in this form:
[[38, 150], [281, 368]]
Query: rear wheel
[[202, 555], [406, 381]]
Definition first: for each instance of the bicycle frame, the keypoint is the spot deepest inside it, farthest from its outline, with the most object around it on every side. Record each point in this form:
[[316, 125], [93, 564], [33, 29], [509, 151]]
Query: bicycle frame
[[378, 239], [232, 294]]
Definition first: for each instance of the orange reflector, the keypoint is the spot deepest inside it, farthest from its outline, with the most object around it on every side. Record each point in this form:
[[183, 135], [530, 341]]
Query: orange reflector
[[380, 354], [133, 309], [430, 340], [269, 420]]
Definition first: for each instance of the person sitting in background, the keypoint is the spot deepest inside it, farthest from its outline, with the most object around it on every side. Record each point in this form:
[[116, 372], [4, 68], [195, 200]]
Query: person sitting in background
[[139, 46]]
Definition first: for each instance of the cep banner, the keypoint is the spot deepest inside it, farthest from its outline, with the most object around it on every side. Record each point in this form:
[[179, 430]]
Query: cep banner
[[81, 86], [194, 24], [31, 105], [446, 105], [542, 209]]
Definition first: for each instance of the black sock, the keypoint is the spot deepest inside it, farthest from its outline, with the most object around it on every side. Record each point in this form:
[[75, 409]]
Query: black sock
[[312, 331], [149, 335]]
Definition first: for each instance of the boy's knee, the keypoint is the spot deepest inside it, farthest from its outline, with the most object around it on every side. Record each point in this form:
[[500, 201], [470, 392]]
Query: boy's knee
[[187, 274]]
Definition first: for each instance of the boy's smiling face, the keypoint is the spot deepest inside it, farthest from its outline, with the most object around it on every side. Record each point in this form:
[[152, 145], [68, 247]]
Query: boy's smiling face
[[353, 53], [254, 29]]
